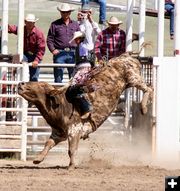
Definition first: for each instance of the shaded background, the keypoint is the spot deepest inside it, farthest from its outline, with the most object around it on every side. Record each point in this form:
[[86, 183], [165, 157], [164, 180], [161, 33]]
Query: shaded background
[[46, 11]]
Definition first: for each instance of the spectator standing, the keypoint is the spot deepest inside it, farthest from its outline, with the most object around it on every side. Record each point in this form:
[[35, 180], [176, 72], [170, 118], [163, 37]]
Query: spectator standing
[[89, 27], [111, 42], [34, 45], [169, 7], [87, 23], [102, 9], [60, 33]]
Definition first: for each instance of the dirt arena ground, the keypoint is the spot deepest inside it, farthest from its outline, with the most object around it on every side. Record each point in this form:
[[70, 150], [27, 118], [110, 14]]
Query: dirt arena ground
[[103, 163], [94, 175]]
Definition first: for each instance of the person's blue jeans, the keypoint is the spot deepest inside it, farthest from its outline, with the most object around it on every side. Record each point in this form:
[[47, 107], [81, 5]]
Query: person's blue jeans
[[102, 9], [62, 58], [170, 9], [33, 72]]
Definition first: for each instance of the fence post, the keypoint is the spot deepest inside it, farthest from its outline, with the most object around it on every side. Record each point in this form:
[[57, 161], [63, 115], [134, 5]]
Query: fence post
[[25, 72], [20, 40], [4, 47], [160, 42]]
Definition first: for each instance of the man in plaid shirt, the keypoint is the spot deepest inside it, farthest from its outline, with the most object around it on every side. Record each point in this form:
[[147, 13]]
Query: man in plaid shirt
[[111, 42]]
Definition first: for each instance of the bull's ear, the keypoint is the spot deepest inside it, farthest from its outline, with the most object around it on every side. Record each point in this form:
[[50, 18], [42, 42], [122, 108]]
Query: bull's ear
[[54, 101], [52, 98], [49, 89]]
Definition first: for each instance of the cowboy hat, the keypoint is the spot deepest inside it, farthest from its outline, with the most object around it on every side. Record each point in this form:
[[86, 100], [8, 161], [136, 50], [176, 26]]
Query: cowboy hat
[[64, 7], [86, 7], [114, 21], [77, 34], [31, 18]]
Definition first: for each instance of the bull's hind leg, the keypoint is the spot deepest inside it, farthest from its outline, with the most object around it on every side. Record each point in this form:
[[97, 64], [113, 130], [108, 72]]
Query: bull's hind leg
[[137, 81], [147, 94]]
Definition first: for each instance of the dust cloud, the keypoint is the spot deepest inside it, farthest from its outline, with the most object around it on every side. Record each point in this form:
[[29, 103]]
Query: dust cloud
[[117, 148]]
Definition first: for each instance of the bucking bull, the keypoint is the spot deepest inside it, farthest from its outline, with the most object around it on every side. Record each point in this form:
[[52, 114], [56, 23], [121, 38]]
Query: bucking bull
[[112, 79]]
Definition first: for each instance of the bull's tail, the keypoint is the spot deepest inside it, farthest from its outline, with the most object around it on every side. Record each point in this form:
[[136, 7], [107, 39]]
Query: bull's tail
[[144, 45]]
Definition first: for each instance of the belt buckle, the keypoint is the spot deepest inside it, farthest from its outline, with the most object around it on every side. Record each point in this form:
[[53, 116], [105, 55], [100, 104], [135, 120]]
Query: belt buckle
[[67, 49], [30, 53]]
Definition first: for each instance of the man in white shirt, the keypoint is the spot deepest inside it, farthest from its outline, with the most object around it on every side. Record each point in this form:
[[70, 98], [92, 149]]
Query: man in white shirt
[[87, 24], [102, 9]]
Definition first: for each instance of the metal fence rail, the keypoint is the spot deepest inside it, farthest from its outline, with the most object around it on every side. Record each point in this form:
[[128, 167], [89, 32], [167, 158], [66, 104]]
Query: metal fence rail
[[13, 136]]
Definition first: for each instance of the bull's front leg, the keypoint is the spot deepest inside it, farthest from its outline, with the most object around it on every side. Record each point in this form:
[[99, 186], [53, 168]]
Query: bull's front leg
[[73, 141], [48, 145], [53, 140]]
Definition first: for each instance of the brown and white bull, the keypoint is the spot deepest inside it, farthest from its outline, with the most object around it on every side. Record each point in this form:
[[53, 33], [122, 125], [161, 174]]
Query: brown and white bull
[[119, 73]]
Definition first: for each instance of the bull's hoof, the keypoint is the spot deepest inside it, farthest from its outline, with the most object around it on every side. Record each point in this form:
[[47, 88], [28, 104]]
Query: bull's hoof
[[38, 160], [71, 167], [86, 136]]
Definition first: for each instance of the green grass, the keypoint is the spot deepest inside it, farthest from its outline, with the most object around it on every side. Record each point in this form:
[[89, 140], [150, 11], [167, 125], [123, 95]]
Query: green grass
[[45, 19]]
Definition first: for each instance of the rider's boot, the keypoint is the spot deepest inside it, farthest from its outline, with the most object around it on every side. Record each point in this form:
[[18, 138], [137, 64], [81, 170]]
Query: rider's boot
[[84, 106]]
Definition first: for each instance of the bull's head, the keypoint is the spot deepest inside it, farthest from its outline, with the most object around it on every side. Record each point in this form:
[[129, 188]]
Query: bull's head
[[39, 93], [33, 91]]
